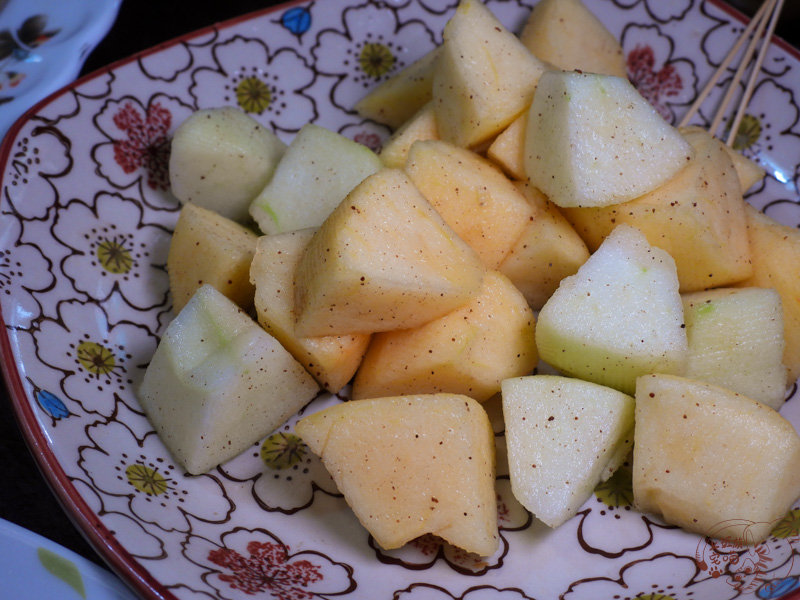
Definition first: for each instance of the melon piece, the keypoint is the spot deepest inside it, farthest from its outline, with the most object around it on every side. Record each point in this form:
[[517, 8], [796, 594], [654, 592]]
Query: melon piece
[[318, 170], [705, 456], [619, 317], [548, 250], [507, 150], [484, 76], [218, 383], [564, 437], [209, 248], [478, 201], [220, 159], [776, 264], [421, 126], [736, 341], [396, 100], [331, 360], [384, 259], [468, 351], [412, 465], [593, 140], [566, 34]]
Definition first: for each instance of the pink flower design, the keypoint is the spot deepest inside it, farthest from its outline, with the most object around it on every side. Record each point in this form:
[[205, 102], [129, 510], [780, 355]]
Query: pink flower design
[[250, 562], [267, 568], [147, 142], [655, 85]]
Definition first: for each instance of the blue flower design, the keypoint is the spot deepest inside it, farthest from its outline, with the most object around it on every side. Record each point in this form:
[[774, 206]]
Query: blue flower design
[[776, 588], [297, 20], [52, 405]]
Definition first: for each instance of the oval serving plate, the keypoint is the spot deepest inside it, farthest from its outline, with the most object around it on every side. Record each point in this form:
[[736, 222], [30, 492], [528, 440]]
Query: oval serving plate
[[87, 216]]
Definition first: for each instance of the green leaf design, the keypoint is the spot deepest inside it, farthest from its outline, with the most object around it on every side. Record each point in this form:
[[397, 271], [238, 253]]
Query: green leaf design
[[63, 568]]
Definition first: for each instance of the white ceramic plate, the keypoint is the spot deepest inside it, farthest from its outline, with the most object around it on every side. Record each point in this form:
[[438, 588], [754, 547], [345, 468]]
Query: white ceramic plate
[[36, 568], [42, 47], [87, 215]]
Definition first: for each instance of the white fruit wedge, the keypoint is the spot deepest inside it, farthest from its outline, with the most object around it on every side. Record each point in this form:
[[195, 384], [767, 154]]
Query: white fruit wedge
[[736, 341], [383, 260], [220, 159], [411, 465], [620, 316], [564, 437], [318, 170], [593, 140], [218, 383], [705, 457]]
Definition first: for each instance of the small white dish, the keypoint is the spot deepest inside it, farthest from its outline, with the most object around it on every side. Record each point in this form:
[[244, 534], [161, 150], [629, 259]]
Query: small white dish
[[43, 46], [35, 568]]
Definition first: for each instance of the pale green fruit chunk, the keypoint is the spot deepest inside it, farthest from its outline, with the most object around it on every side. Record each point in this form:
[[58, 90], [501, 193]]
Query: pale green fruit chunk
[[620, 316], [218, 383], [564, 436], [319, 169], [220, 159], [709, 459], [593, 140], [736, 341]]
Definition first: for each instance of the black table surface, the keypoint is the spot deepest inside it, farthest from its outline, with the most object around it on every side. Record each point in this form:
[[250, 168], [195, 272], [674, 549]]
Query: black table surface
[[26, 498]]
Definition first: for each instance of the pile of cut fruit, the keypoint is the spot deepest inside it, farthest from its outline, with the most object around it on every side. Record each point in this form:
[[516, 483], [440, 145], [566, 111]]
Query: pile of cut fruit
[[532, 213]]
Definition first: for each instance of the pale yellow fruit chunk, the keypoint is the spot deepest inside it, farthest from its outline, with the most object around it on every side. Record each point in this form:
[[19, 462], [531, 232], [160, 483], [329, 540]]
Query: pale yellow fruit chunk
[[331, 360], [412, 465], [548, 250], [479, 202], [209, 248], [776, 264], [484, 76], [749, 171], [397, 99], [507, 150], [704, 456], [697, 216], [384, 259], [318, 170], [468, 351], [565, 33], [593, 140], [421, 126]]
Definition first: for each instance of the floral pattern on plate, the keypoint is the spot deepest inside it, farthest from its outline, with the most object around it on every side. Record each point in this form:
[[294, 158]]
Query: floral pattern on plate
[[87, 214]]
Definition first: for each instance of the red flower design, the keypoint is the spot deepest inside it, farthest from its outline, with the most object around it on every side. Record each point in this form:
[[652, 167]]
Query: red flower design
[[267, 568], [653, 85], [147, 144], [370, 140]]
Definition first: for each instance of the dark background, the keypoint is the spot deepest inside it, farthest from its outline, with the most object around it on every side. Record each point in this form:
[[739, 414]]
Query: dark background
[[142, 24]]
